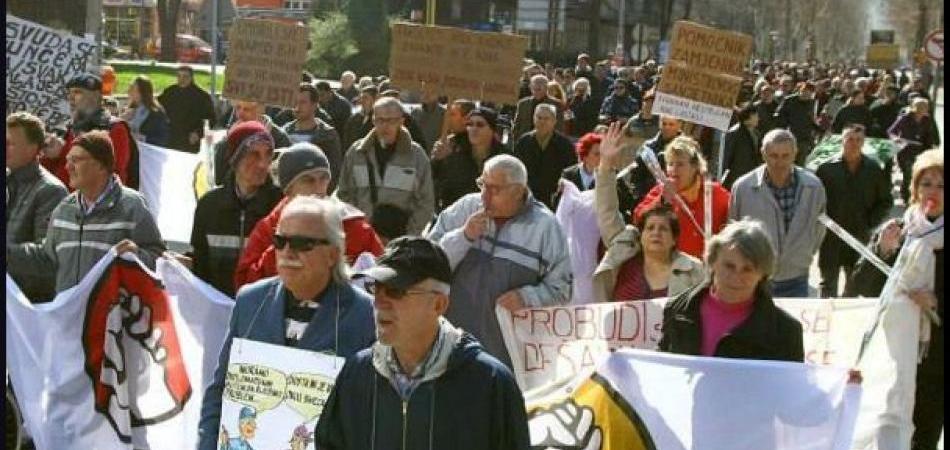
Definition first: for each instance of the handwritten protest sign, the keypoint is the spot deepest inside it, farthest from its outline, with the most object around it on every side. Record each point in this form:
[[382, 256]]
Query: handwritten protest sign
[[265, 59], [554, 343], [40, 61], [279, 388], [458, 63], [701, 81], [703, 47]]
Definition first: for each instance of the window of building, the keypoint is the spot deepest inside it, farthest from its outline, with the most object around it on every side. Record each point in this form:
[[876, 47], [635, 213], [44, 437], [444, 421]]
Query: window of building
[[297, 5]]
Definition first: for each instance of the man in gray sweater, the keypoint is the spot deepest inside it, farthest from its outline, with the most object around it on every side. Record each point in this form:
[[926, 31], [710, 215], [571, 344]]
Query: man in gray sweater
[[787, 199]]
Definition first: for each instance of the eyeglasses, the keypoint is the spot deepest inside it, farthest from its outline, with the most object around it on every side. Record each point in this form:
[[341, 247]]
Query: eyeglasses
[[492, 189], [386, 120], [394, 293], [298, 243]]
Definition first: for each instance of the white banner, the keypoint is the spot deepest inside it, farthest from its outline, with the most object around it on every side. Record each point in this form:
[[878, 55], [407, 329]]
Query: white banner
[[692, 111], [119, 361], [537, 338], [281, 389], [40, 61], [168, 184], [645, 400]]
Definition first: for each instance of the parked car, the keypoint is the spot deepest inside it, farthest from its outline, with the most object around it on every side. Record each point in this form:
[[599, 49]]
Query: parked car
[[191, 49]]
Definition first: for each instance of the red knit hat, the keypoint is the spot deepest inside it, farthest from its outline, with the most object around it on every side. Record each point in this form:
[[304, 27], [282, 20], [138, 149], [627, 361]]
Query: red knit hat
[[239, 136]]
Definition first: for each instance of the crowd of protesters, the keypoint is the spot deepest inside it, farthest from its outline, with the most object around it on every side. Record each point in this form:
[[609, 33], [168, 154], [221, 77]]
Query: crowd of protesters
[[302, 192]]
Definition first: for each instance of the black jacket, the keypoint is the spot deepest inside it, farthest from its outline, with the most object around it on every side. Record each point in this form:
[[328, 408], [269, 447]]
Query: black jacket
[[474, 404], [454, 176], [742, 154], [851, 114], [883, 115], [155, 128], [545, 166], [859, 201], [187, 109], [766, 113], [573, 174], [585, 115], [222, 224], [799, 117], [769, 332]]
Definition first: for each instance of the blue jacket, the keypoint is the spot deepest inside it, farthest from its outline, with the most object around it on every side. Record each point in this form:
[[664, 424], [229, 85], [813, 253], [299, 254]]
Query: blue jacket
[[474, 404], [357, 330]]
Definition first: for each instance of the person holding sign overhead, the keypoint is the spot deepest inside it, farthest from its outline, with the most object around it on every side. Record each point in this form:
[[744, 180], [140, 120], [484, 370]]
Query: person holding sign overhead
[[424, 383], [309, 305], [684, 178]]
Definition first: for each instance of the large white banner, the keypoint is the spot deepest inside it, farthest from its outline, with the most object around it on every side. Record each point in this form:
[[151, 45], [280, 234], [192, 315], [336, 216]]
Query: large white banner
[[119, 361], [537, 338], [641, 400], [40, 61], [281, 390], [168, 184]]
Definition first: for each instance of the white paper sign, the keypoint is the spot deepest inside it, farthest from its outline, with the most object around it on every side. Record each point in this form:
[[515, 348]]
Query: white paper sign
[[279, 391]]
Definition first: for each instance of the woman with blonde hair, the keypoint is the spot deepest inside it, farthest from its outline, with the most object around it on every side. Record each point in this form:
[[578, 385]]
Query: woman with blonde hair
[[921, 230], [685, 178]]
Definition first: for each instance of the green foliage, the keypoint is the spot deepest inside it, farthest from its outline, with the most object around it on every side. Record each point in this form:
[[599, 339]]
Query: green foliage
[[369, 28], [331, 46]]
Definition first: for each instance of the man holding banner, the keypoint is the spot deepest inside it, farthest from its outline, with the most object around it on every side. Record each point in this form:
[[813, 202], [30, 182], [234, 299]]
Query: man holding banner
[[432, 384], [310, 304]]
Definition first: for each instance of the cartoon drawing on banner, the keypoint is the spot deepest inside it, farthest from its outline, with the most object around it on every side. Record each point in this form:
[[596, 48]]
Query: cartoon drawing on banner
[[275, 395]]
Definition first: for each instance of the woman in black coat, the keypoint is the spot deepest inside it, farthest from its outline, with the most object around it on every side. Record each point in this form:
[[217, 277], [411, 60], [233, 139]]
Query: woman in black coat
[[732, 315], [583, 109]]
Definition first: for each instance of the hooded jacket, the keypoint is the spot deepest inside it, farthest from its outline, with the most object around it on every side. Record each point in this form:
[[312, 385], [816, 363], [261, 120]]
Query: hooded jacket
[[466, 400]]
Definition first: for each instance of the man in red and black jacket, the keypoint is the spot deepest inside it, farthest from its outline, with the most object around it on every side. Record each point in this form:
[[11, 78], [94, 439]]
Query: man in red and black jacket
[[84, 93]]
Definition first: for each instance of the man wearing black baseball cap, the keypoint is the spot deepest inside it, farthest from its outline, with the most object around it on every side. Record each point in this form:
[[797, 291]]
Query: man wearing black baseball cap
[[418, 354], [84, 95]]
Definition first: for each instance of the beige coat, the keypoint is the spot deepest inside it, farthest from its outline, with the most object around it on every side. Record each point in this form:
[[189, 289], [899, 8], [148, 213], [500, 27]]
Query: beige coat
[[623, 243]]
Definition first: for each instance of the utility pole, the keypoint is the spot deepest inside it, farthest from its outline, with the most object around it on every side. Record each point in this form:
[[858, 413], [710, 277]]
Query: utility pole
[[788, 30], [214, 49], [618, 51], [94, 28]]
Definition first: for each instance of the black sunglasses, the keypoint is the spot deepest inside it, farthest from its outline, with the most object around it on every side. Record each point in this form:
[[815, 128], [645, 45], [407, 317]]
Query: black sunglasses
[[298, 243], [393, 292]]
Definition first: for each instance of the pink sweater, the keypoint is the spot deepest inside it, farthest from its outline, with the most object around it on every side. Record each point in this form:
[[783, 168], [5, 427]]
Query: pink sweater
[[719, 318]]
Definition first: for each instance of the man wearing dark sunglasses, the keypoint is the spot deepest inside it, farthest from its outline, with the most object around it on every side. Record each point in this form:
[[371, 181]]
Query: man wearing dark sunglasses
[[310, 305], [425, 383]]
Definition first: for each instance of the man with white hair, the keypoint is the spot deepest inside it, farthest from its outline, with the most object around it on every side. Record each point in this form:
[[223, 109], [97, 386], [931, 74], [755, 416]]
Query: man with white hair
[[524, 115], [505, 249], [387, 167], [309, 305]]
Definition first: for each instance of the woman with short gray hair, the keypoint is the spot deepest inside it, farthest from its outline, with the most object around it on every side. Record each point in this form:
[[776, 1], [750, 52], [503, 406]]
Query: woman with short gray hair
[[732, 314]]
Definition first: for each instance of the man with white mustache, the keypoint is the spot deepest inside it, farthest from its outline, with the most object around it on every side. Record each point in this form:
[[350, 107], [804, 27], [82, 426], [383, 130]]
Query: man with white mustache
[[309, 305]]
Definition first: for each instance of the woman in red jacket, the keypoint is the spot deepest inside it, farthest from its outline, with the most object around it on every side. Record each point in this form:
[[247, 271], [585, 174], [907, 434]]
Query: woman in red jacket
[[685, 172], [302, 169]]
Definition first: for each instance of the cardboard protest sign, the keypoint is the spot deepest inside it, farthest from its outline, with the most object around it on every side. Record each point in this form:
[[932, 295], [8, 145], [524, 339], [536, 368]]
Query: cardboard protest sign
[[883, 56], [456, 62], [265, 59], [701, 81], [40, 61], [703, 47], [274, 394]]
